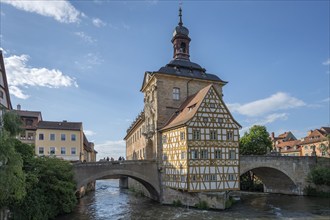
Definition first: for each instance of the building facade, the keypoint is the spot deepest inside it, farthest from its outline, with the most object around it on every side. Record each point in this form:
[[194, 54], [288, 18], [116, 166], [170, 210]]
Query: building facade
[[316, 143], [30, 120], [64, 140], [209, 163]]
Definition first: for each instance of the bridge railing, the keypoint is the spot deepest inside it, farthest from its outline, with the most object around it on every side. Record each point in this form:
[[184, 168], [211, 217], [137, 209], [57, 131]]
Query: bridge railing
[[109, 163]]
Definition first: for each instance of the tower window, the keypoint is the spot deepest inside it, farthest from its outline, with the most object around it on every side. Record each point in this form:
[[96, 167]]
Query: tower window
[[183, 47], [176, 93]]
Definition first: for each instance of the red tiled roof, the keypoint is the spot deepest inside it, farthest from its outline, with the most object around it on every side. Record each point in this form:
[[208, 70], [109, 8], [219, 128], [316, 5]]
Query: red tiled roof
[[188, 109], [60, 125]]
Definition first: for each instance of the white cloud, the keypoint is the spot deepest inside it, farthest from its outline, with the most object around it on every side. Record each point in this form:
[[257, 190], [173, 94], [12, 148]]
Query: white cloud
[[326, 100], [98, 22], [61, 11], [20, 75], [266, 120], [327, 62], [278, 101], [88, 61], [85, 37], [273, 117], [89, 133], [110, 149]]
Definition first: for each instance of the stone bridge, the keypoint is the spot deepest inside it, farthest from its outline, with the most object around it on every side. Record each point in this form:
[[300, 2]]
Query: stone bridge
[[144, 171], [279, 174]]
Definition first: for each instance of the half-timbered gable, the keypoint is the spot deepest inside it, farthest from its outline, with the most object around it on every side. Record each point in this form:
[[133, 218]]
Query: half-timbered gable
[[210, 145]]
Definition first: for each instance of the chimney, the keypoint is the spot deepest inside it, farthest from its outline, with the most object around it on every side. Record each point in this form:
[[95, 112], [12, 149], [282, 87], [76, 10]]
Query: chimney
[[273, 135], [19, 107]]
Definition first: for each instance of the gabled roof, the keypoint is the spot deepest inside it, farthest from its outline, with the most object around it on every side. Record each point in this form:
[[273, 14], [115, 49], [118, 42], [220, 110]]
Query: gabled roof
[[60, 125], [289, 143], [188, 109], [317, 135], [32, 114]]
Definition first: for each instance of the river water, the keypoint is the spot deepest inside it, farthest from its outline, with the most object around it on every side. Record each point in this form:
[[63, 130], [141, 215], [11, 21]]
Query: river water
[[108, 202]]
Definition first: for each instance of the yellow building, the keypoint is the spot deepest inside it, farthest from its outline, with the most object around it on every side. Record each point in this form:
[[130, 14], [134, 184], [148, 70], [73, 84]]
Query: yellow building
[[317, 140], [185, 124], [63, 140]]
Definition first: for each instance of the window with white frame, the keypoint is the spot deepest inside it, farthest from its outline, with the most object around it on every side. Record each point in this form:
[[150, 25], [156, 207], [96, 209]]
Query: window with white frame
[[183, 155], [232, 154], [231, 177], [196, 134], [52, 150], [204, 154], [62, 137], [194, 154], [182, 135], [176, 93], [63, 150], [73, 150], [213, 135], [41, 150], [73, 137], [230, 135], [217, 154], [52, 137], [41, 137]]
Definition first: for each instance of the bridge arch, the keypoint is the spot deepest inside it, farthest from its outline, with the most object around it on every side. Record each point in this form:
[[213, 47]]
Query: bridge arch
[[280, 174], [274, 179], [144, 172]]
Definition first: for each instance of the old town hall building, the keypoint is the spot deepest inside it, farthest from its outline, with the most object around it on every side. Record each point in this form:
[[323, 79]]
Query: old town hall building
[[185, 125]]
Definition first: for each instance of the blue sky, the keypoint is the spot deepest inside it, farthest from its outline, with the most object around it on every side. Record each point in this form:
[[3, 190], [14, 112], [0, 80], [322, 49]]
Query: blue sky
[[85, 60]]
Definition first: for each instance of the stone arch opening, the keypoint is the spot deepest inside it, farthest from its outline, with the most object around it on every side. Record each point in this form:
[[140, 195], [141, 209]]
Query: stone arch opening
[[274, 180], [150, 187]]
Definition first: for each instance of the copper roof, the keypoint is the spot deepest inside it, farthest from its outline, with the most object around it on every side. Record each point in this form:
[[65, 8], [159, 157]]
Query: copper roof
[[60, 125]]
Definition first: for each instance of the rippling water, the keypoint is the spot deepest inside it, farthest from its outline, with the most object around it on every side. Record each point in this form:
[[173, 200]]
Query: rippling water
[[108, 202]]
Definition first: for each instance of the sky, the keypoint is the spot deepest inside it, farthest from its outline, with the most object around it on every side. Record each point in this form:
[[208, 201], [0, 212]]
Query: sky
[[84, 61]]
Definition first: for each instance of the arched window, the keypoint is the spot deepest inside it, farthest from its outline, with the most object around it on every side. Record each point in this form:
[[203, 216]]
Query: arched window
[[183, 47]]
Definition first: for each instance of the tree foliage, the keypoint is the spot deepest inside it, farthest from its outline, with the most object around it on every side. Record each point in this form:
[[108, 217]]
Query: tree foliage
[[12, 178], [32, 187], [256, 141], [50, 188], [319, 176], [12, 123]]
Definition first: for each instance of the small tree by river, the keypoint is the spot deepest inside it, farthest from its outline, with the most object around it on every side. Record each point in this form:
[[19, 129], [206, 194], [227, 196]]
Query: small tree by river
[[32, 187]]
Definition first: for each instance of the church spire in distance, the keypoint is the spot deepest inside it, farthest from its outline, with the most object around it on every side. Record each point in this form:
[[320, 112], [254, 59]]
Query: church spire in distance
[[181, 40]]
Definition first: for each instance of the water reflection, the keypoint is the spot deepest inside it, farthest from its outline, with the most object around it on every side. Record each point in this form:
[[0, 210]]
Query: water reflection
[[110, 202]]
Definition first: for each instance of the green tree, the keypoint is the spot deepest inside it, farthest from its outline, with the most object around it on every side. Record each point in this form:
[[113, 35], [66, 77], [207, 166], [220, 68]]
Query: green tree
[[12, 123], [256, 141], [50, 188], [12, 178]]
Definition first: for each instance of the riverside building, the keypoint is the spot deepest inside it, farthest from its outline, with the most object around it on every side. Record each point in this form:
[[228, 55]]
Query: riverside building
[[185, 125]]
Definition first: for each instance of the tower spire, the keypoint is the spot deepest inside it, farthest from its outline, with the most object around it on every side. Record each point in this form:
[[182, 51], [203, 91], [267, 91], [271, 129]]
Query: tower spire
[[180, 15]]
